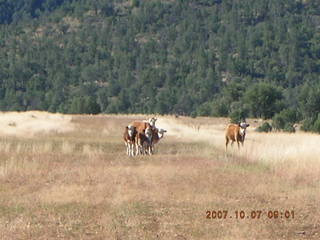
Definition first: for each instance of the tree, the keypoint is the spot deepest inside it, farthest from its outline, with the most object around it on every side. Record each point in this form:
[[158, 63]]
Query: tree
[[263, 100], [285, 119]]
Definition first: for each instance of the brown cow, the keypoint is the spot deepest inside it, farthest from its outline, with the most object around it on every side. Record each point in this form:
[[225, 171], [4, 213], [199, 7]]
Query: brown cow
[[129, 137], [142, 125], [144, 141], [157, 134], [236, 133]]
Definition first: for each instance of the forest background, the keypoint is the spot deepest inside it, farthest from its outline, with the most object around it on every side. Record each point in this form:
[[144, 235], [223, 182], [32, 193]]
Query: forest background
[[248, 58]]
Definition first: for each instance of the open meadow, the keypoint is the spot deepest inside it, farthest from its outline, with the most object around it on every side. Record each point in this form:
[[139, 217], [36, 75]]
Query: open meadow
[[68, 177]]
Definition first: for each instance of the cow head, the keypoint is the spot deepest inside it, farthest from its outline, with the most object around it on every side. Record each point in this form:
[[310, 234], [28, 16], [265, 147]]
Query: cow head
[[243, 126], [148, 133], [161, 132], [152, 121], [131, 130]]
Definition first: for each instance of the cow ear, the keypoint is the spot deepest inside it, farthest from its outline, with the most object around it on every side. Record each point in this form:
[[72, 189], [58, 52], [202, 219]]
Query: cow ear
[[239, 123], [248, 124]]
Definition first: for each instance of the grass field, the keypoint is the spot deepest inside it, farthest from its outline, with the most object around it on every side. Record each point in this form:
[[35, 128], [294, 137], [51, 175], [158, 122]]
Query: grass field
[[67, 177]]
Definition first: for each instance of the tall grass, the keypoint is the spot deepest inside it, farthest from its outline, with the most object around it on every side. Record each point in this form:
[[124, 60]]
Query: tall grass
[[293, 156], [80, 184]]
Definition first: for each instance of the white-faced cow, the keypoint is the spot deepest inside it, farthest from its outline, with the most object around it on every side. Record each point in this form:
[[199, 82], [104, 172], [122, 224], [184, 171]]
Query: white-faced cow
[[141, 127], [157, 134], [236, 133], [129, 137], [144, 141]]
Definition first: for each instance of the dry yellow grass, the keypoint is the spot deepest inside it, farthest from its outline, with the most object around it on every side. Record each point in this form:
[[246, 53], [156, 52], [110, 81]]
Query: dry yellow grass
[[79, 184], [25, 124]]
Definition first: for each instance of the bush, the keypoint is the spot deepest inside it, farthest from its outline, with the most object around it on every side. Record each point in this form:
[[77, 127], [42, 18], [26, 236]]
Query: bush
[[238, 115], [312, 124], [316, 125], [193, 114], [220, 108], [204, 109], [263, 100], [283, 119], [265, 127], [308, 124], [278, 121], [289, 128]]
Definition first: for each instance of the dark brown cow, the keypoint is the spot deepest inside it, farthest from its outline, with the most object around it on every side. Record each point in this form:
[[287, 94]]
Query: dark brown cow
[[236, 133], [129, 137], [144, 141], [157, 134]]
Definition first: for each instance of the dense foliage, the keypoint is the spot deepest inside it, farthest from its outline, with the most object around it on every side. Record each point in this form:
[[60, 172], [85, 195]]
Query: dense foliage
[[236, 58]]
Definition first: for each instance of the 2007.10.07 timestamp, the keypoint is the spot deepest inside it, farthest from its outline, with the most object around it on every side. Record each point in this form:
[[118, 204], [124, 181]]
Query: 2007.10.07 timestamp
[[253, 214]]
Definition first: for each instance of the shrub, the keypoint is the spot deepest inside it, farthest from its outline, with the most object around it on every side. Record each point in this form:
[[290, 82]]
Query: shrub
[[265, 127], [263, 100], [316, 125], [193, 114], [238, 115], [283, 119], [289, 128], [220, 108]]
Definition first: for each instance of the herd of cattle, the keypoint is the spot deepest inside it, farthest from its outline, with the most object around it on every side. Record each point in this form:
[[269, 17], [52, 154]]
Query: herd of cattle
[[140, 137]]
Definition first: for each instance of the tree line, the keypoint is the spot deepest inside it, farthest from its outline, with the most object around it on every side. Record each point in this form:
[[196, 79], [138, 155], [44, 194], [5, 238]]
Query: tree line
[[248, 58]]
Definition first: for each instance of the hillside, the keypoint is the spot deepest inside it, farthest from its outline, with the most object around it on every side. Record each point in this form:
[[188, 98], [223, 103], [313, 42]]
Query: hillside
[[248, 58]]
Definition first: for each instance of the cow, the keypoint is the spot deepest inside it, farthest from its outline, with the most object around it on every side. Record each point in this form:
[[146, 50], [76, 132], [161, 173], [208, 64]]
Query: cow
[[236, 133], [142, 125], [157, 134], [129, 137], [144, 141]]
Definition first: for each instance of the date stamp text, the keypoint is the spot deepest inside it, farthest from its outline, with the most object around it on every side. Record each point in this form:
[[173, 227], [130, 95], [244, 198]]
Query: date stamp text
[[251, 214]]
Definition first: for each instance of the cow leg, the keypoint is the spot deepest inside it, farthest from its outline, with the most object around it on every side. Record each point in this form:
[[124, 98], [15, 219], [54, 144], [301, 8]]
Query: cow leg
[[134, 149], [150, 150], [127, 148], [146, 149], [137, 149], [227, 142], [140, 149], [131, 149], [143, 149]]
